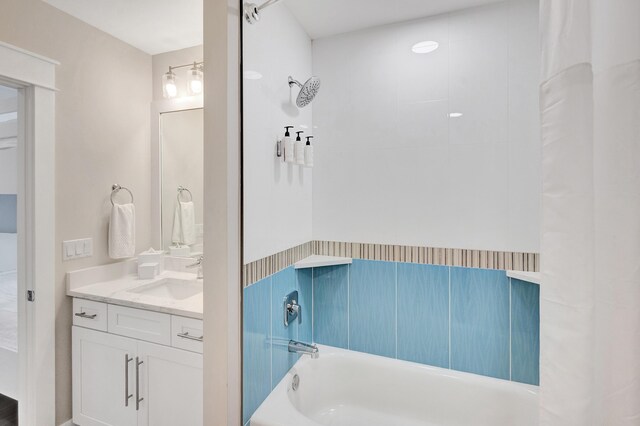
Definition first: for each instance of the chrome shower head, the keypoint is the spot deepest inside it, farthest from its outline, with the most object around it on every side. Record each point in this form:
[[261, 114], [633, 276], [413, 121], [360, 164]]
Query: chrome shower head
[[308, 90]]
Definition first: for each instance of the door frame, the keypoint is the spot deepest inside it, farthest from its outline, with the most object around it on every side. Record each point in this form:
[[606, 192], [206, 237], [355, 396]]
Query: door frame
[[34, 77]]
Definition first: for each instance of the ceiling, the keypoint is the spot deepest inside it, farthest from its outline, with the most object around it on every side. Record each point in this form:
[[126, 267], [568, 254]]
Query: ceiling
[[322, 18], [158, 26], [153, 26]]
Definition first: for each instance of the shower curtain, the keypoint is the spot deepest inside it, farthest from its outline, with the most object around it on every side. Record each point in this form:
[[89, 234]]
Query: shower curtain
[[590, 293]]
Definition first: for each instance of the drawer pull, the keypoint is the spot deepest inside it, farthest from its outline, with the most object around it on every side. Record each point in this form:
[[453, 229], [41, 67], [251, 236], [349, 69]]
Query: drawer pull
[[85, 315], [138, 399], [186, 335], [127, 396]]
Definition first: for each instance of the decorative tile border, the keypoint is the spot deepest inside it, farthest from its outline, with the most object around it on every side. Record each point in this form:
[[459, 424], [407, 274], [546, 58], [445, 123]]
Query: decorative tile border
[[262, 268], [484, 259]]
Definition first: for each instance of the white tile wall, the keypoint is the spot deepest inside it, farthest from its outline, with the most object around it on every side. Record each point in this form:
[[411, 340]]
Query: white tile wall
[[392, 167], [277, 196]]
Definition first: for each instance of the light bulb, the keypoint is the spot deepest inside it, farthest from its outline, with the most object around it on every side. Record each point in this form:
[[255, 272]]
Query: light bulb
[[169, 87], [194, 79]]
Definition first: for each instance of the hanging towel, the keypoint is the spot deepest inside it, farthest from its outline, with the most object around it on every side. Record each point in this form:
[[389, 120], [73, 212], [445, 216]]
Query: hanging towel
[[122, 231], [184, 224]]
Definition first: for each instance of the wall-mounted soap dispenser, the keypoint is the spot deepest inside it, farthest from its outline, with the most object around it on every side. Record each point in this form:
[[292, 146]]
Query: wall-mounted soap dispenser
[[289, 154], [308, 153], [299, 149]]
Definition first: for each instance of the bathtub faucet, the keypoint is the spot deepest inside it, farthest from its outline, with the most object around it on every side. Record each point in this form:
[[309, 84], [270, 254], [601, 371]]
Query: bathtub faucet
[[304, 348]]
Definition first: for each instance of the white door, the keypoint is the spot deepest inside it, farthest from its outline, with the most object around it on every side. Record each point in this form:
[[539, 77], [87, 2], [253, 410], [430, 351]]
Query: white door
[[104, 379], [171, 385]]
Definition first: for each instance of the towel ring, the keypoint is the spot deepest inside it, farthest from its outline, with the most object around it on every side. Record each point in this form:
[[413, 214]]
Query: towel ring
[[181, 189], [115, 189]]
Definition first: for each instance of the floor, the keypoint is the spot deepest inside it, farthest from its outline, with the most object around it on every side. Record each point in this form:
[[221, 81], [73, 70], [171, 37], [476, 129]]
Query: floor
[[8, 411]]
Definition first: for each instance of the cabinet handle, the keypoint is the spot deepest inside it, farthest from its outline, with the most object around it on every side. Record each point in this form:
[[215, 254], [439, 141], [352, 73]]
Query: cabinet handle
[[127, 360], [186, 335], [84, 315], [138, 399]]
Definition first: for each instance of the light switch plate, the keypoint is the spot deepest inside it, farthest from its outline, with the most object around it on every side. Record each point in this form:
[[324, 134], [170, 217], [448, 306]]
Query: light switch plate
[[76, 249]]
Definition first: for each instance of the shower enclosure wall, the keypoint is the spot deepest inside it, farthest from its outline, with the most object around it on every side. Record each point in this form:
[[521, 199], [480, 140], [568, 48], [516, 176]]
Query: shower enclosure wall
[[423, 194]]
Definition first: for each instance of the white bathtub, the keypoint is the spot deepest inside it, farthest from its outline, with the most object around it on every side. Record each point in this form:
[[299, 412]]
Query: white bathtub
[[346, 388]]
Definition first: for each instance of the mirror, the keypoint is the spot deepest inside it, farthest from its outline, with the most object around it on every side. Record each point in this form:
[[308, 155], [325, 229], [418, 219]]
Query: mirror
[[181, 145]]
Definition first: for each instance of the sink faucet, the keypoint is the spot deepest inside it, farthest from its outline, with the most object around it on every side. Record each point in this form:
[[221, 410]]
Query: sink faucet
[[304, 348], [198, 264]]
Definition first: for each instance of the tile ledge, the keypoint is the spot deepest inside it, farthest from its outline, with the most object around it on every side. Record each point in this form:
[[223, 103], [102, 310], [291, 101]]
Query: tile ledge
[[316, 261], [532, 277]]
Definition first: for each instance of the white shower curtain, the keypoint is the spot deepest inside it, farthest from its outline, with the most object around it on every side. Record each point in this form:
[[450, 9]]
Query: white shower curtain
[[590, 296]]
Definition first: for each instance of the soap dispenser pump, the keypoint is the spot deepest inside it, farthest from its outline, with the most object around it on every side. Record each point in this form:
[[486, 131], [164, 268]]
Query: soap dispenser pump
[[289, 155], [308, 153], [299, 149]]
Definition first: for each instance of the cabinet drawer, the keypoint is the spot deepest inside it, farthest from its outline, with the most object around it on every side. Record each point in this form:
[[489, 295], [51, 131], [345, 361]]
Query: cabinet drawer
[[143, 325], [90, 314], [186, 333]]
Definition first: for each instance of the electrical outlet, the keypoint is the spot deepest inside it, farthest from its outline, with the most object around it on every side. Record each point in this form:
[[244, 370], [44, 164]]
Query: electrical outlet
[[76, 249]]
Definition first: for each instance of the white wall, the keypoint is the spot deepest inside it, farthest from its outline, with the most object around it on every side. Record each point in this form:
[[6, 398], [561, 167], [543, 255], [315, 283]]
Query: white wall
[[277, 196], [102, 137], [392, 167]]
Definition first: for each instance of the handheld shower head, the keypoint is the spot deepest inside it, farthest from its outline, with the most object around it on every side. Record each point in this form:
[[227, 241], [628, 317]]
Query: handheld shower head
[[308, 90]]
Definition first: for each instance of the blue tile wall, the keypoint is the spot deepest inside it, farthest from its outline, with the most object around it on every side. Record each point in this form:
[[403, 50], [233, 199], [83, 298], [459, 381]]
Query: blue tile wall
[[423, 320], [305, 330], [284, 282], [265, 356], [474, 320], [331, 300], [372, 307], [458, 318], [480, 322], [525, 331], [256, 353]]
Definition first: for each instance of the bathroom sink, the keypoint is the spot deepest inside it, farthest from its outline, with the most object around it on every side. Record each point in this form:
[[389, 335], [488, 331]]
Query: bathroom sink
[[170, 288]]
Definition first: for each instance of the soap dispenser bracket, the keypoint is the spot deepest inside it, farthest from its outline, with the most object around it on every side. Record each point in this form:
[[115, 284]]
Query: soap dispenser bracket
[[292, 309]]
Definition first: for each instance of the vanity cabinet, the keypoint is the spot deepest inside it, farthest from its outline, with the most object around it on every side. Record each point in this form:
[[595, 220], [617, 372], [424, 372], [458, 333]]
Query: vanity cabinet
[[103, 372], [126, 381]]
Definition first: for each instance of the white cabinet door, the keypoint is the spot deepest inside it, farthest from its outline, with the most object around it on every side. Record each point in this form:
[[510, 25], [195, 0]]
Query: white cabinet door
[[103, 379], [170, 385]]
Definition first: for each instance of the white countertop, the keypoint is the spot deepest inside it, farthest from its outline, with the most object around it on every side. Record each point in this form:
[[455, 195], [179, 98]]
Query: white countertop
[[106, 284]]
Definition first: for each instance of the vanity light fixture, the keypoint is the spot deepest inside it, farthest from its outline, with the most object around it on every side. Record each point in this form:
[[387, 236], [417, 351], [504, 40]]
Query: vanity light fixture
[[169, 87], [425, 46], [195, 80]]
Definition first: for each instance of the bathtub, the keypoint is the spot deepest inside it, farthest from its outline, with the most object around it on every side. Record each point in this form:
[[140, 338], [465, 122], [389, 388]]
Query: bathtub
[[346, 388]]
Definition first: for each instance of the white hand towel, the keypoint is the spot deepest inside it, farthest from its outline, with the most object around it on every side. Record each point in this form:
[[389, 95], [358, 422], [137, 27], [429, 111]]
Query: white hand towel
[[122, 231], [184, 224]]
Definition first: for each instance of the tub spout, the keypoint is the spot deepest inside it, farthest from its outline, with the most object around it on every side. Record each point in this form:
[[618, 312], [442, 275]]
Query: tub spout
[[304, 348]]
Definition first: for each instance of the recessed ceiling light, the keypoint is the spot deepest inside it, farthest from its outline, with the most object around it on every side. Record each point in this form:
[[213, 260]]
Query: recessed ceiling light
[[252, 75], [425, 47], [455, 114]]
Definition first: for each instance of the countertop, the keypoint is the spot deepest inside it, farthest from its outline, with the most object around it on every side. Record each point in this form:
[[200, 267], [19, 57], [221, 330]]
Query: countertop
[[116, 291]]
